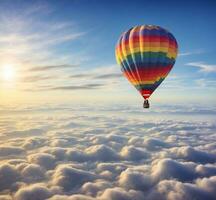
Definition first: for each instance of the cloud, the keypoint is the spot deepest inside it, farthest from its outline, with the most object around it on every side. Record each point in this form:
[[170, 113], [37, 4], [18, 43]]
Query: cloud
[[135, 179], [112, 169], [83, 75], [76, 155], [105, 76], [133, 153], [205, 83], [43, 159], [32, 45], [171, 189], [92, 188], [119, 193], [101, 153], [65, 154], [93, 153], [108, 76], [155, 144], [78, 87], [94, 76], [33, 173], [23, 133], [203, 67], [58, 152], [51, 67], [6, 151], [33, 142], [171, 169], [191, 154], [9, 175], [34, 39], [189, 53], [208, 185], [109, 138], [206, 170], [72, 197], [68, 177], [35, 78], [33, 192]]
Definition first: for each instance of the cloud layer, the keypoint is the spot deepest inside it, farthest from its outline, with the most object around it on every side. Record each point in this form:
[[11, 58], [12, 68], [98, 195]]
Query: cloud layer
[[77, 156]]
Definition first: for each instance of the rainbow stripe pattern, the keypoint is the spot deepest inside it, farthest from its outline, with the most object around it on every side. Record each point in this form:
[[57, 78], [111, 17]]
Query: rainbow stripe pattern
[[146, 54]]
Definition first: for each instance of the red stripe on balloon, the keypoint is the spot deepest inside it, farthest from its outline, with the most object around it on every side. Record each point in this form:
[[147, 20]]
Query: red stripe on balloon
[[147, 74], [146, 93], [150, 39]]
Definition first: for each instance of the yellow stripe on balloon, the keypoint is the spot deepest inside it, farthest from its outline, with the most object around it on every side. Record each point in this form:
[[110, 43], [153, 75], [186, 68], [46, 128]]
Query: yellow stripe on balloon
[[134, 82], [171, 54]]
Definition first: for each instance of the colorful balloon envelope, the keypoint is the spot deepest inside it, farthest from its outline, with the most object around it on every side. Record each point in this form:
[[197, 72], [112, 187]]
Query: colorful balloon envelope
[[146, 54]]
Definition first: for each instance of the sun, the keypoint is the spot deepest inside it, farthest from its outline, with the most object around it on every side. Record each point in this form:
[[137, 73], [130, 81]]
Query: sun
[[8, 72]]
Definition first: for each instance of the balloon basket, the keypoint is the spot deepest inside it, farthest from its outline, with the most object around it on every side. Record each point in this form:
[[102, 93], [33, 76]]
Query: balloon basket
[[146, 104]]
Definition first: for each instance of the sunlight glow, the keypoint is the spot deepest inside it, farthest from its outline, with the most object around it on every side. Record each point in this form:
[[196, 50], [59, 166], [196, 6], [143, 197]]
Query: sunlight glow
[[8, 72]]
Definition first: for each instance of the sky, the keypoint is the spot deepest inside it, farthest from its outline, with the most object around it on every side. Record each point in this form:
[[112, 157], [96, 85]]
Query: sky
[[63, 51]]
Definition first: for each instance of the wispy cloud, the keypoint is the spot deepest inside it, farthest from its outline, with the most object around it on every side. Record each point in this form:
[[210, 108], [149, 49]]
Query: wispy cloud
[[80, 75], [50, 87], [206, 83], [108, 76], [50, 67], [36, 78], [188, 53], [78, 87], [28, 37], [203, 67], [94, 76], [35, 46], [100, 72]]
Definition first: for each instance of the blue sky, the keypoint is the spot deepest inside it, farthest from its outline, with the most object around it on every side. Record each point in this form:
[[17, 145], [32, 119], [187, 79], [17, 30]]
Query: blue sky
[[71, 43]]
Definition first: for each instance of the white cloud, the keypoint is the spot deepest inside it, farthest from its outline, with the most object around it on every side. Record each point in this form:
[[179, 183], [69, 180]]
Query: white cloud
[[9, 175], [171, 189], [207, 184], [30, 40], [189, 53], [135, 179], [43, 159], [203, 67], [132, 153], [120, 194], [206, 170], [33, 173], [70, 157], [23, 133], [155, 144], [191, 154], [33, 192], [72, 197], [6, 151], [171, 169], [68, 177], [92, 188]]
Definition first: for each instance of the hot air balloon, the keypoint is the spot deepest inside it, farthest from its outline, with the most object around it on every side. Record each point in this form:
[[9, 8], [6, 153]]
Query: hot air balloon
[[146, 55]]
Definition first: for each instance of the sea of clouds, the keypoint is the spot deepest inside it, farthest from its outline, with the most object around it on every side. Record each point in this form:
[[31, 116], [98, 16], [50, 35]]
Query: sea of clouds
[[82, 154]]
